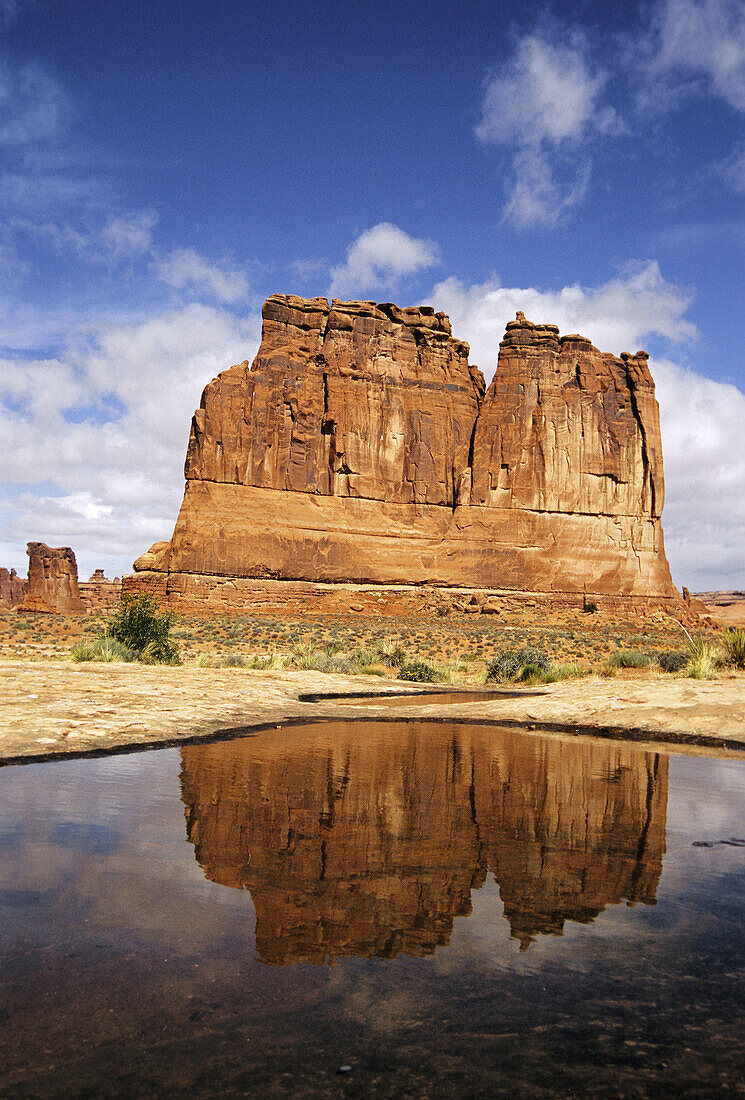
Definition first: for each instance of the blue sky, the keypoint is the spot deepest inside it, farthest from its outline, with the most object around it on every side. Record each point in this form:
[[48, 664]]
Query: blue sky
[[165, 166]]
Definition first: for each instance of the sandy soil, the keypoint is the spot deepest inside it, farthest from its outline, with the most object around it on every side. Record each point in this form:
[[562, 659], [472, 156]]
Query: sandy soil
[[54, 708]]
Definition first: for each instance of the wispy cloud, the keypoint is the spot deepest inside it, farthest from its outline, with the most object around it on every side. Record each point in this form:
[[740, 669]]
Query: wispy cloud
[[693, 48], [379, 259], [541, 104], [731, 170], [119, 237], [33, 107], [184, 268]]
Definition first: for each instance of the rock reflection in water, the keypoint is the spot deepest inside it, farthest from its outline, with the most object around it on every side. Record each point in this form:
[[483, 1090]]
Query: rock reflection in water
[[366, 839]]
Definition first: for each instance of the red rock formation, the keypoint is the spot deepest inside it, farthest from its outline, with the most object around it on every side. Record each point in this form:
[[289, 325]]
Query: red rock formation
[[371, 846], [100, 594], [359, 447], [52, 580], [12, 588]]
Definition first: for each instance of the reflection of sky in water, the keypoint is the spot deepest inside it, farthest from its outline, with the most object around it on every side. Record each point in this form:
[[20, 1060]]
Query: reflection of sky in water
[[110, 922]]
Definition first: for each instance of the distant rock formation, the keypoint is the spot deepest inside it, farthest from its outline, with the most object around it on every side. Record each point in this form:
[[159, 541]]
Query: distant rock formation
[[52, 583], [12, 588], [360, 447], [372, 846], [99, 594]]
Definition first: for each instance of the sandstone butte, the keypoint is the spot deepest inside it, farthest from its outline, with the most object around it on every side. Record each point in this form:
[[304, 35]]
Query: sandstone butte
[[361, 446]]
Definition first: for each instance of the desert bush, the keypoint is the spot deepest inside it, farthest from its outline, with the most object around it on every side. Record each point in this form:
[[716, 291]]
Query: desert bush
[[733, 646], [102, 649], [702, 659], [390, 652], [275, 661], [364, 657], [631, 658], [305, 655], [672, 660], [419, 672], [516, 665], [589, 607], [569, 670], [142, 627]]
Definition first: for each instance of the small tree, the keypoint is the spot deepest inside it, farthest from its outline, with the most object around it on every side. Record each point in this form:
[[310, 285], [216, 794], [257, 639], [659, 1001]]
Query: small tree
[[142, 627]]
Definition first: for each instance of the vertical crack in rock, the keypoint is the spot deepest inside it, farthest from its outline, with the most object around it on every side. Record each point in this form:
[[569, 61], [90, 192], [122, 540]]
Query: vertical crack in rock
[[648, 480]]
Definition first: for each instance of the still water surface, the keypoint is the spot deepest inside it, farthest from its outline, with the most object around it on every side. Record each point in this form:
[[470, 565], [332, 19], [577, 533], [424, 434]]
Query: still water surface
[[447, 910]]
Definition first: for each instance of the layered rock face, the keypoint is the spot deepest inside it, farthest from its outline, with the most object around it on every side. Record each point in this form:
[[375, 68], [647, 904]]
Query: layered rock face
[[372, 846], [11, 588], [99, 594], [360, 447], [52, 583]]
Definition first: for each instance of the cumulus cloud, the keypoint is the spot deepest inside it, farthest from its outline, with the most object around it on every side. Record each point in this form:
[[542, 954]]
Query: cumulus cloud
[[694, 47], [105, 424], [184, 268], [33, 107], [542, 103], [379, 259], [617, 315], [704, 517]]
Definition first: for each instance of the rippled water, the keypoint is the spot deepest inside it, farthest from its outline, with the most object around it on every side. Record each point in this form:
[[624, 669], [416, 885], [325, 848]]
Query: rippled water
[[441, 909]]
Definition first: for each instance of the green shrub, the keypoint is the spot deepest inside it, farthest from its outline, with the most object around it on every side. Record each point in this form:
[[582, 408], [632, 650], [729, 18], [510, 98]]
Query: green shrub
[[589, 607], [102, 649], [672, 660], [733, 646], [142, 627], [515, 665], [418, 672]]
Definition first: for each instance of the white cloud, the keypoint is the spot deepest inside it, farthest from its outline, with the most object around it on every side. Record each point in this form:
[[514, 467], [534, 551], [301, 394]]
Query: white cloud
[[731, 170], [121, 237], [184, 268], [545, 92], [694, 47], [33, 107], [378, 259], [704, 517], [107, 423], [128, 235], [538, 198], [617, 315], [541, 104]]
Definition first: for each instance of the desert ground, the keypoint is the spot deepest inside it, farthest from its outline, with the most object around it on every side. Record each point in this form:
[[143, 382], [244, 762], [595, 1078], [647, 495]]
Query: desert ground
[[51, 705]]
